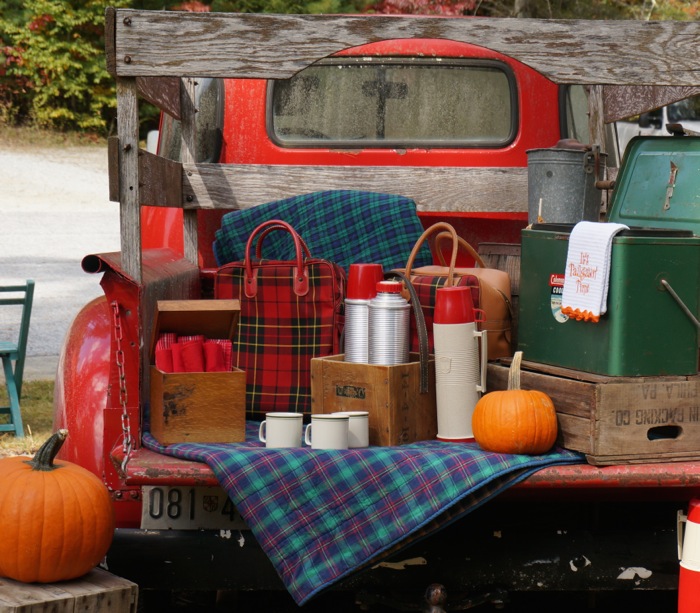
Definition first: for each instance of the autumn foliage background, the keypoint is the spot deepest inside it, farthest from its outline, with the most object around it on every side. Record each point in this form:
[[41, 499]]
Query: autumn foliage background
[[52, 68]]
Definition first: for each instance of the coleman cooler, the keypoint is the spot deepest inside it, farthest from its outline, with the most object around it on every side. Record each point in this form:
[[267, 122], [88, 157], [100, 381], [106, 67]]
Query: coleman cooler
[[645, 331]]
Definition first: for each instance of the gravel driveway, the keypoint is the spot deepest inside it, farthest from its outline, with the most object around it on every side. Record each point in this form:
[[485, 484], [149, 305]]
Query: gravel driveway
[[54, 209]]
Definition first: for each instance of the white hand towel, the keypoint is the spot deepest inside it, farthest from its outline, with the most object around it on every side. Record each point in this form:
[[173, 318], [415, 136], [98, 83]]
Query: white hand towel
[[587, 274]]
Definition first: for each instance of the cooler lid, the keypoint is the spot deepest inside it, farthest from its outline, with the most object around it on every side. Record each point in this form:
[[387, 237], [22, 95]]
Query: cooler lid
[[636, 232], [659, 184]]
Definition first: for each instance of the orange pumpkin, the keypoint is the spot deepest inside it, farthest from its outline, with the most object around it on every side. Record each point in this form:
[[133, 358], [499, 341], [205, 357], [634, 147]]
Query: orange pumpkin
[[57, 519], [515, 420]]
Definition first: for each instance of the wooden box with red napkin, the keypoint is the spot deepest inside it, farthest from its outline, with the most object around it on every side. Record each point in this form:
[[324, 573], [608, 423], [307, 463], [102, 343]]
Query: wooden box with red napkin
[[197, 396]]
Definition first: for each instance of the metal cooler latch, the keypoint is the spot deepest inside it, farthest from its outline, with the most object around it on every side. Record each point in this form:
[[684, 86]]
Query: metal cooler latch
[[671, 186]]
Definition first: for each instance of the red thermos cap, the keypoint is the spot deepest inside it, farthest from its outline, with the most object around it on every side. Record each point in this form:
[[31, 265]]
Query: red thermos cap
[[454, 305]]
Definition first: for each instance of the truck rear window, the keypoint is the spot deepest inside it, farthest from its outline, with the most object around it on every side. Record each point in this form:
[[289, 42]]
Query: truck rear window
[[368, 102]]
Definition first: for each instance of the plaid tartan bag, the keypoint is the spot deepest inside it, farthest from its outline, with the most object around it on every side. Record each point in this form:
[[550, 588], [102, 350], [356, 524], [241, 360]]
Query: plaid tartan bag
[[291, 311], [490, 289]]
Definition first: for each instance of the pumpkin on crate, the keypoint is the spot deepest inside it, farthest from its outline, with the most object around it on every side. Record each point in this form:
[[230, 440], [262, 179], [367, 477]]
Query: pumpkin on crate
[[515, 420], [57, 518]]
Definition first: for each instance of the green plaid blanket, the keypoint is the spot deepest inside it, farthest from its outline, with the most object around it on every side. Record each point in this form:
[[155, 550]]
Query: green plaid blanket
[[342, 226], [321, 515]]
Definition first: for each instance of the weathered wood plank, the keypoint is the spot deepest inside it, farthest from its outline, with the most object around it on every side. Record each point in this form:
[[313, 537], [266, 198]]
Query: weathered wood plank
[[110, 41], [596, 113], [214, 186], [129, 209], [277, 46], [575, 398], [164, 92], [642, 458], [654, 417], [160, 180], [96, 591], [623, 101], [574, 432], [188, 154]]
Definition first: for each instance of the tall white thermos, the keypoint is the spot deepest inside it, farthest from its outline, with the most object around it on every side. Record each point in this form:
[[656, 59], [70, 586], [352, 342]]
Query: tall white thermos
[[460, 366]]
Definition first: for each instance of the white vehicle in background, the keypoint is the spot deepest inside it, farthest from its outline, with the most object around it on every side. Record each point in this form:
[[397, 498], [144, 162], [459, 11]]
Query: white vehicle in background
[[654, 123]]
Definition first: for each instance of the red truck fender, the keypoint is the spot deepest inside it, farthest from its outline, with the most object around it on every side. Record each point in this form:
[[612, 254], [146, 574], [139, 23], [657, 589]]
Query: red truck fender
[[82, 380]]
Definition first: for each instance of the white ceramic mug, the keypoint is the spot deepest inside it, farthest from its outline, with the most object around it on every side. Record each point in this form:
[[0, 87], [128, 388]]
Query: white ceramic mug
[[327, 431], [358, 428], [281, 430]]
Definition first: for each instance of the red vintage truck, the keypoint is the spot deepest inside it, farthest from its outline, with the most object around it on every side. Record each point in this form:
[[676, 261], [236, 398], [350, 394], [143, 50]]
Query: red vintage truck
[[287, 105]]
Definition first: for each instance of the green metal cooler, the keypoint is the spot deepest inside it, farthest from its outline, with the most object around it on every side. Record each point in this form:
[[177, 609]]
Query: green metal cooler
[[659, 184], [645, 331]]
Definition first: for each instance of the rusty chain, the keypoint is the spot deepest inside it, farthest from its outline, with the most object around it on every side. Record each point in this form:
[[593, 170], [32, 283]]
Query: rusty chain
[[127, 442]]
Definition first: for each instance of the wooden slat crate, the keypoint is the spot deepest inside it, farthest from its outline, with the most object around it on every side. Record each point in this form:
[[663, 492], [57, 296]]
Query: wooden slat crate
[[398, 412], [617, 420], [197, 407], [96, 592]]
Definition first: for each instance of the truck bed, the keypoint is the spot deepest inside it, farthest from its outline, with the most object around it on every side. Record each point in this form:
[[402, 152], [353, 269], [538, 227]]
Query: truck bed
[[675, 479]]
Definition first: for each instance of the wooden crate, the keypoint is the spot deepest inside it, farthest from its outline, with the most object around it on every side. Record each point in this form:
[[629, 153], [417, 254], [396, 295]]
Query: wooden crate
[[616, 420], [398, 412], [96, 592], [197, 407]]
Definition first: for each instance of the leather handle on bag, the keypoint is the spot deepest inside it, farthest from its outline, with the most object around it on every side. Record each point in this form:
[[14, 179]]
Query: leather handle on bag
[[269, 230], [441, 226], [460, 243], [420, 326], [301, 277]]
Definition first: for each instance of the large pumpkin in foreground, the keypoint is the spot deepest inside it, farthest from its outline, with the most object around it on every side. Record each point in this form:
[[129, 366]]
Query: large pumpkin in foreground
[[57, 518], [515, 420]]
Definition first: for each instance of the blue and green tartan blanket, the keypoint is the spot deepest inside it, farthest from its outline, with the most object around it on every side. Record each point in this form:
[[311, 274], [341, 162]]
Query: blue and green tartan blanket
[[322, 515], [342, 226]]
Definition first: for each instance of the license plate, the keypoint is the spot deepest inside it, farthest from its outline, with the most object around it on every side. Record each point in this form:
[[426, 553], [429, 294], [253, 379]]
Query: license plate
[[188, 508]]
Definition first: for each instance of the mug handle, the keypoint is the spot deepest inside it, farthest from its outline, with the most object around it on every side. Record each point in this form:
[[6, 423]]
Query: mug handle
[[307, 434], [261, 436]]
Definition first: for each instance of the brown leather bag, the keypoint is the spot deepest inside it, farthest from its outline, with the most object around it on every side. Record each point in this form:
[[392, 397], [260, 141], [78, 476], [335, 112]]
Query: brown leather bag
[[490, 289]]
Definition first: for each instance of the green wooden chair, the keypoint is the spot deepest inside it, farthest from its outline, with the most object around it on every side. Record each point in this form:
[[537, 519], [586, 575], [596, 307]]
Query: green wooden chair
[[13, 354]]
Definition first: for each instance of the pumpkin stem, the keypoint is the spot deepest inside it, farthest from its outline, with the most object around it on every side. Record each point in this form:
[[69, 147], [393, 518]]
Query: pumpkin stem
[[514, 371], [43, 459]]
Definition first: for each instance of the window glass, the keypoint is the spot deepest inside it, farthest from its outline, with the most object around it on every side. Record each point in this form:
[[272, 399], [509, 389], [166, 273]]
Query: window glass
[[576, 113], [574, 102], [209, 101], [368, 103]]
